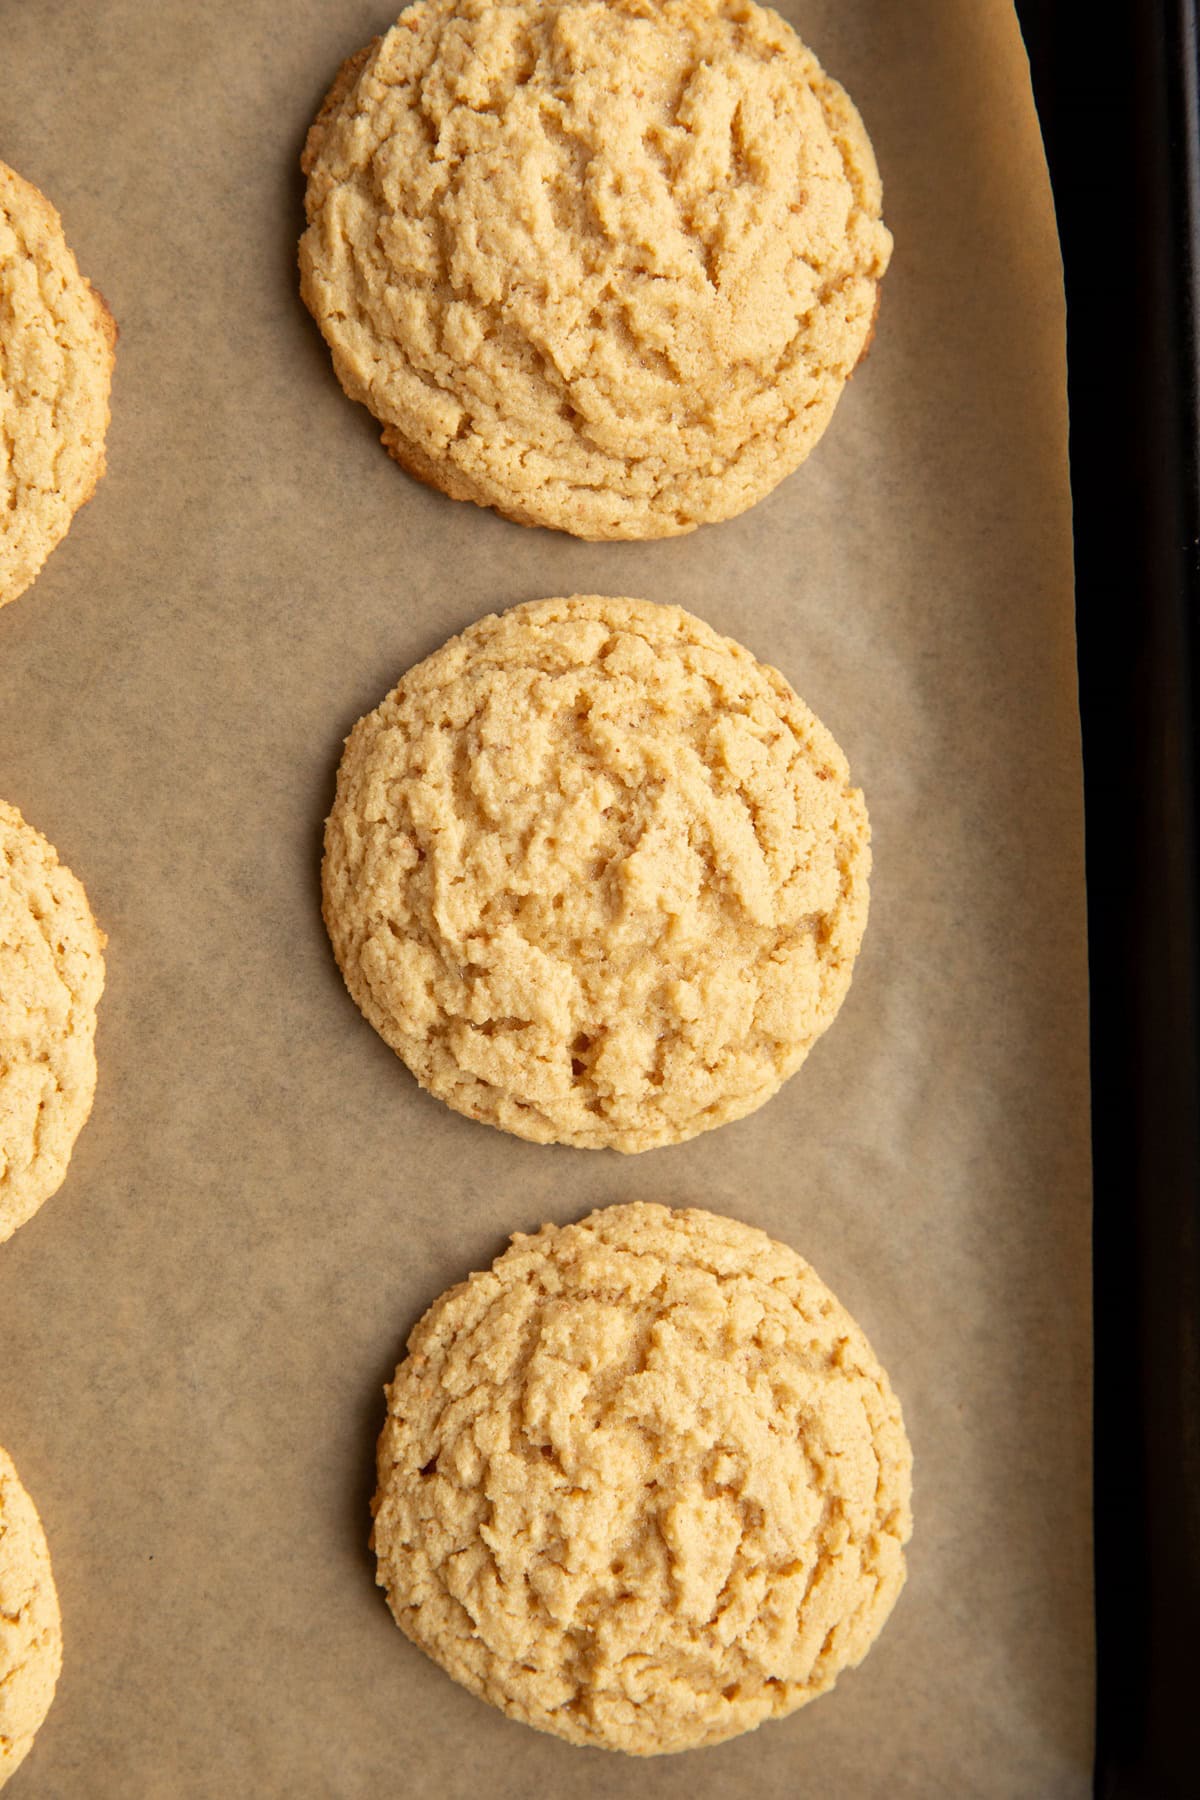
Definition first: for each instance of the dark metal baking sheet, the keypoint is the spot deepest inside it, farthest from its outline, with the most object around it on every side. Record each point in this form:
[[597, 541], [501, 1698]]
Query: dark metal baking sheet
[[1119, 110]]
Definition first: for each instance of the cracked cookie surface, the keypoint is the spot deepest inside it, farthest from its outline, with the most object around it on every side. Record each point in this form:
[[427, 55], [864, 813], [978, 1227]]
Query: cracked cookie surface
[[51, 978], [643, 1484], [30, 1626], [596, 874], [56, 356], [604, 265]]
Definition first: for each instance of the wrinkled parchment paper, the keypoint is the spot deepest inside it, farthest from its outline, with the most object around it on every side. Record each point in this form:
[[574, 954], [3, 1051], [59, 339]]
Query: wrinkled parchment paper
[[194, 1333]]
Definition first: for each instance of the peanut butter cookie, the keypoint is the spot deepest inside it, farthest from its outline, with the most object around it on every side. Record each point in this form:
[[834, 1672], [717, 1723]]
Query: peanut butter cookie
[[51, 977], [30, 1625], [56, 356], [596, 874], [643, 1484], [604, 265]]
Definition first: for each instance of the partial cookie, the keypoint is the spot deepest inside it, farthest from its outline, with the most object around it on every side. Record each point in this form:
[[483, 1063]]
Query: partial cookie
[[51, 977], [604, 265], [30, 1625], [643, 1484], [56, 357], [596, 874]]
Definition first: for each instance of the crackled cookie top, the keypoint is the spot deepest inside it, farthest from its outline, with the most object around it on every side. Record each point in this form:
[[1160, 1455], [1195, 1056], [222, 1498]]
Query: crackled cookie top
[[51, 976], [30, 1627], [56, 357], [596, 874], [644, 1483], [605, 265]]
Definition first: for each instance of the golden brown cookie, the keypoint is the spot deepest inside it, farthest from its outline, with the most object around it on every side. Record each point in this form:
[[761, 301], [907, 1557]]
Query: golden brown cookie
[[56, 356], [51, 977], [604, 265], [643, 1484], [596, 874], [30, 1625]]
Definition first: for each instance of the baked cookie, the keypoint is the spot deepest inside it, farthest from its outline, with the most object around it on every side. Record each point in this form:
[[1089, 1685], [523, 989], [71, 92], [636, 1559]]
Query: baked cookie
[[56, 355], [604, 265], [643, 1484], [597, 875], [30, 1626], [51, 977]]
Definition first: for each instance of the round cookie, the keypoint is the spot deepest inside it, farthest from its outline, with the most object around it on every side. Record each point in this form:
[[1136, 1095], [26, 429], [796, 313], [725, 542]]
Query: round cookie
[[604, 265], [596, 874], [51, 977], [30, 1625], [56, 356], [643, 1484]]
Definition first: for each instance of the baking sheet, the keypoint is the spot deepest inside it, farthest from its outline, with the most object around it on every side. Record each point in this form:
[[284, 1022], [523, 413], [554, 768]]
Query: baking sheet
[[194, 1333]]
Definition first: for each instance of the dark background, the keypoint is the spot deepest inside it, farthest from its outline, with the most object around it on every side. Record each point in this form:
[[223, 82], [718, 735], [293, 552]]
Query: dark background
[[1118, 109]]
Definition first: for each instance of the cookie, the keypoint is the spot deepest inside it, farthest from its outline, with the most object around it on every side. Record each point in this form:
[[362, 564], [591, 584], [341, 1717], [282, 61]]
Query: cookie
[[30, 1625], [643, 1484], [597, 875], [604, 265], [51, 977], [56, 356]]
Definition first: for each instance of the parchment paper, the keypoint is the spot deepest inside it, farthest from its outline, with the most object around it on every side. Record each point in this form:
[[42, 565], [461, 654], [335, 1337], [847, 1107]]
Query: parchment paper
[[194, 1333]]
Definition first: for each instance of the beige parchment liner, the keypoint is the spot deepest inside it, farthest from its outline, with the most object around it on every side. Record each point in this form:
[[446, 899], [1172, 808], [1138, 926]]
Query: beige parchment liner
[[194, 1337]]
